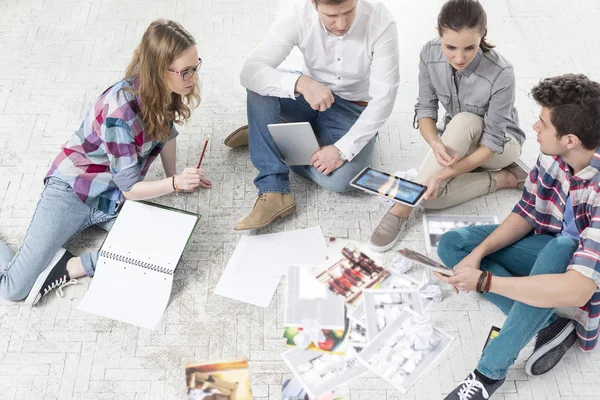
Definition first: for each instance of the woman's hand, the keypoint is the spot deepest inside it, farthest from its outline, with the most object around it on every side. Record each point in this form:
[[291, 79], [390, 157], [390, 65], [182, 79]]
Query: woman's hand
[[204, 181], [190, 179], [433, 185], [442, 156]]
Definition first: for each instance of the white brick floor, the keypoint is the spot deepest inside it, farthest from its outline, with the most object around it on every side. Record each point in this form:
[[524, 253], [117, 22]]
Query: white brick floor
[[58, 55]]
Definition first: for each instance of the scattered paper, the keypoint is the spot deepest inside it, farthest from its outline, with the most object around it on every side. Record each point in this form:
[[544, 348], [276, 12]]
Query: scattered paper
[[258, 263]]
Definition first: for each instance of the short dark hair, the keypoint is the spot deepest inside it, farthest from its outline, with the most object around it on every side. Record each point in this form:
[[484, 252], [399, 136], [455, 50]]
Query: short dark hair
[[317, 2], [574, 103], [458, 15]]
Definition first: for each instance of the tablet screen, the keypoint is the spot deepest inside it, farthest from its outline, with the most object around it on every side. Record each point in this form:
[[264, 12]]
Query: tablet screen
[[390, 186]]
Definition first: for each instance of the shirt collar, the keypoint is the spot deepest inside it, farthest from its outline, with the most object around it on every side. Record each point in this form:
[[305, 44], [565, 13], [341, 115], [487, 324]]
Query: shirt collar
[[474, 64], [590, 172]]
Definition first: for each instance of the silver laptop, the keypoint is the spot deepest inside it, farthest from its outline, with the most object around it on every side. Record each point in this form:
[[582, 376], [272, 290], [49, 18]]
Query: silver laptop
[[296, 142]]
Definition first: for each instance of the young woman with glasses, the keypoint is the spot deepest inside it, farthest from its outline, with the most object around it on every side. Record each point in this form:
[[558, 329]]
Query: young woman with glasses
[[105, 162]]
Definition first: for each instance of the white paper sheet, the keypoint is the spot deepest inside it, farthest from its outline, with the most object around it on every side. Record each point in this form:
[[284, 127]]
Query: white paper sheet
[[258, 263], [124, 290]]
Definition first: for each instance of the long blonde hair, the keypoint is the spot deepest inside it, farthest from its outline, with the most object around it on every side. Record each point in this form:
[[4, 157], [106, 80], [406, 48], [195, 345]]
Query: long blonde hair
[[162, 43]]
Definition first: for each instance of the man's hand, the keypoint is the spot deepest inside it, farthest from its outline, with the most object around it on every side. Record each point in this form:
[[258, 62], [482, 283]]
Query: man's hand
[[472, 262], [327, 160], [464, 279], [442, 156], [317, 95]]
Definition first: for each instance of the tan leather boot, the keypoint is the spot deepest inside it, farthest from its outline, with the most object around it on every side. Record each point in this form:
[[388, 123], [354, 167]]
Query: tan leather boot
[[238, 138], [267, 208]]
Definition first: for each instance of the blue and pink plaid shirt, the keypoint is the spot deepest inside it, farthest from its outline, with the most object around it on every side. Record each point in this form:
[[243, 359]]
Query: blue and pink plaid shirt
[[110, 151], [543, 204]]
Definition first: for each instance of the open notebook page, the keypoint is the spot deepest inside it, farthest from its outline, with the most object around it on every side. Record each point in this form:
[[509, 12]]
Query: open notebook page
[[130, 293], [150, 234]]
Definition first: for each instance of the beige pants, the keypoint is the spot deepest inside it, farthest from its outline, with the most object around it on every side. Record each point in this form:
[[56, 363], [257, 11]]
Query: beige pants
[[462, 137]]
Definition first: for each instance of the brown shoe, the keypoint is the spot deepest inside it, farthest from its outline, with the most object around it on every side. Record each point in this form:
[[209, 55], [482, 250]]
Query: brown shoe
[[385, 236], [521, 171], [238, 138], [267, 208]]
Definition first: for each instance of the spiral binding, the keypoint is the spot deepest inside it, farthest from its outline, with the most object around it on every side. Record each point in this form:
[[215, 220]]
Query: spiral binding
[[133, 261]]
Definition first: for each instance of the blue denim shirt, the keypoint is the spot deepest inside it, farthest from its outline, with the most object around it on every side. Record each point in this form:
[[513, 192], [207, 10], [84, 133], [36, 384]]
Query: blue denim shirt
[[486, 87]]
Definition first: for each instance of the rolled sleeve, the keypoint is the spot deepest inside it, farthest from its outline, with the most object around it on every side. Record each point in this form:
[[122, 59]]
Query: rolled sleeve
[[499, 114], [121, 151], [427, 103], [526, 206]]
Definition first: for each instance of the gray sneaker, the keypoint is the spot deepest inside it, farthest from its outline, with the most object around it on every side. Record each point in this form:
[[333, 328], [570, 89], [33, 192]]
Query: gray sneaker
[[385, 236], [473, 389]]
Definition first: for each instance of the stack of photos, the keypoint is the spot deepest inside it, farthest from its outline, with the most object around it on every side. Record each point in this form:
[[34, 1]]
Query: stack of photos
[[307, 298], [383, 306], [352, 273], [292, 389], [218, 380], [435, 226], [320, 373], [398, 358]]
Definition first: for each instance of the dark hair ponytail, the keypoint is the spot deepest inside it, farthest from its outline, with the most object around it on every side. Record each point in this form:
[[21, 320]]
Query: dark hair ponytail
[[458, 15]]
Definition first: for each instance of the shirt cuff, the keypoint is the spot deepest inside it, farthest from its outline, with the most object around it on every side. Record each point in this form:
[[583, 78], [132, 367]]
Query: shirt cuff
[[492, 142], [347, 147], [126, 178], [420, 114], [288, 84]]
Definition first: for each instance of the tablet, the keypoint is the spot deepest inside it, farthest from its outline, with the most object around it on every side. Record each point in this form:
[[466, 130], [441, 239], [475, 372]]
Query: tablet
[[296, 142], [389, 186]]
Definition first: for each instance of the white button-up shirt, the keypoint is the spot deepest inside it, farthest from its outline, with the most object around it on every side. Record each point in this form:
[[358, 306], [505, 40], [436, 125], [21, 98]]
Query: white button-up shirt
[[362, 65]]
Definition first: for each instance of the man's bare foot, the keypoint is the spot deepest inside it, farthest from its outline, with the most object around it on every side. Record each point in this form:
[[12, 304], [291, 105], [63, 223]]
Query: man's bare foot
[[75, 268], [400, 210], [506, 179]]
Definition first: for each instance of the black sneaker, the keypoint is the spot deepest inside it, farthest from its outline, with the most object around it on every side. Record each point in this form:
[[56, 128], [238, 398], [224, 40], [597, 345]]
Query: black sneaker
[[551, 343], [474, 389], [55, 276]]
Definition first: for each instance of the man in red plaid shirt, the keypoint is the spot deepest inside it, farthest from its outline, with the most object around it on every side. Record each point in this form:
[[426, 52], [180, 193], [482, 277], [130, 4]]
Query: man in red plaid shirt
[[546, 254]]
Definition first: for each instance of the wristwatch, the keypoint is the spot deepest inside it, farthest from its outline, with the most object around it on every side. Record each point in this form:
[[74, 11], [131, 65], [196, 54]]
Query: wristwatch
[[342, 156]]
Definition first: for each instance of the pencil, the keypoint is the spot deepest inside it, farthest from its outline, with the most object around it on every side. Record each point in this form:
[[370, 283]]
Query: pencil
[[203, 150]]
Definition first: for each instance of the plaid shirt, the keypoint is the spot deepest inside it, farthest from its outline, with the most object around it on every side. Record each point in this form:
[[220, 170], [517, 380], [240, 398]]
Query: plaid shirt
[[542, 205], [110, 152]]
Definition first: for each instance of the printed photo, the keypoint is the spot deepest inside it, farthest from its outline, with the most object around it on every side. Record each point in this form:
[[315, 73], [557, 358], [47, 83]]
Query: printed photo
[[351, 272], [405, 349], [435, 226], [218, 380], [292, 389], [336, 341], [383, 306], [321, 373]]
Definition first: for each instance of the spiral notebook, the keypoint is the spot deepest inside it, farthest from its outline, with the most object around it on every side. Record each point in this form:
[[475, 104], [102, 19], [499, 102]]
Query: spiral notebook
[[134, 272]]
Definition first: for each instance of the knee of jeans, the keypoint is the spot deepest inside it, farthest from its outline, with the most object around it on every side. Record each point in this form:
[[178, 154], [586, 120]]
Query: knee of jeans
[[337, 186], [446, 245], [13, 293], [254, 99], [466, 123]]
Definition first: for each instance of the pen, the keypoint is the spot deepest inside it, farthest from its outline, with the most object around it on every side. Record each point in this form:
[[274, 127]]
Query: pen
[[203, 150]]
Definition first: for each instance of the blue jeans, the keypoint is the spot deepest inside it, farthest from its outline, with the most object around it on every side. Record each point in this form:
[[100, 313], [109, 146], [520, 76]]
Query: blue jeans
[[60, 214], [330, 126], [532, 255]]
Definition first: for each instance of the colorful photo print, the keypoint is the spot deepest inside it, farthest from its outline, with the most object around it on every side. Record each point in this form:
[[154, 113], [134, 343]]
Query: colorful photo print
[[218, 380]]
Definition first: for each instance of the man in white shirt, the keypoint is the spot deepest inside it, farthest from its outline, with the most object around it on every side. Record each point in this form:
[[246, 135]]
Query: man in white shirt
[[346, 91]]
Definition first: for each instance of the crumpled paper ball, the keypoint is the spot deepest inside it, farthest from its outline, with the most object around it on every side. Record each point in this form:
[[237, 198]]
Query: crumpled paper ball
[[311, 333]]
